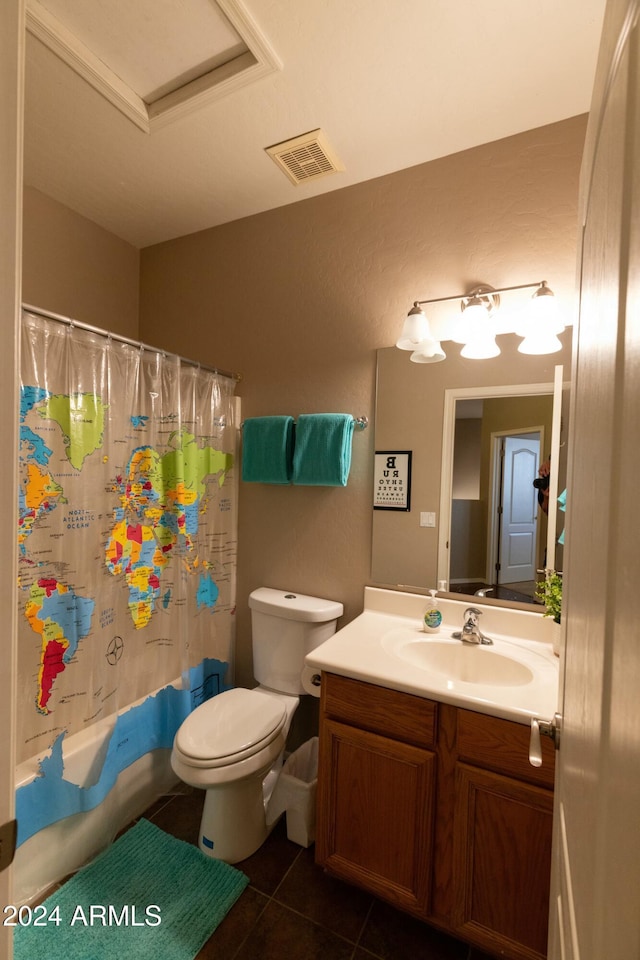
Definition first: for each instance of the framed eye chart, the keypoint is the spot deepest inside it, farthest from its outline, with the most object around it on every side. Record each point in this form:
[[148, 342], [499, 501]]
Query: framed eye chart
[[392, 480]]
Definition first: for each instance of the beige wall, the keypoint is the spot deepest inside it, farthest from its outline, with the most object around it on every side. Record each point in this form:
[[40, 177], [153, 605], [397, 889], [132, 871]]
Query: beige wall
[[75, 268], [467, 445], [299, 299], [468, 555]]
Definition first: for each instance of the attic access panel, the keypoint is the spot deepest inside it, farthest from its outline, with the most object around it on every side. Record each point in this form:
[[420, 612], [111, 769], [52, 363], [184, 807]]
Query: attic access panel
[[155, 60]]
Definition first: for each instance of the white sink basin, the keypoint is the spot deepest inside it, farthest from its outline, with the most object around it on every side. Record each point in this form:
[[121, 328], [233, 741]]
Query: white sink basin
[[515, 678], [455, 660]]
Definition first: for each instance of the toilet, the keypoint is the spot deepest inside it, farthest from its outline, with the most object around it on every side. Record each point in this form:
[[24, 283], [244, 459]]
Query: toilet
[[232, 745]]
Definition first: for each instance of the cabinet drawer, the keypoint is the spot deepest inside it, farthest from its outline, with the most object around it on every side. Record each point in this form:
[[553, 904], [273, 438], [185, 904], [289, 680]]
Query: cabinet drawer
[[387, 712], [503, 746]]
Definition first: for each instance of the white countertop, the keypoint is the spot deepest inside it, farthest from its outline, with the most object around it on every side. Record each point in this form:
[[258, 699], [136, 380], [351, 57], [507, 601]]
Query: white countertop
[[368, 649]]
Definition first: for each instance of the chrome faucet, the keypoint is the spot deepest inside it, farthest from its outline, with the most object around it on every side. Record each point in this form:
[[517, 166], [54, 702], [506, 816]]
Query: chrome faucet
[[471, 632], [483, 591]]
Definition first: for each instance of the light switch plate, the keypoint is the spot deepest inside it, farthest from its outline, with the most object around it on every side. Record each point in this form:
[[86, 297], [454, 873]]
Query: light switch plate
[[427, 519]]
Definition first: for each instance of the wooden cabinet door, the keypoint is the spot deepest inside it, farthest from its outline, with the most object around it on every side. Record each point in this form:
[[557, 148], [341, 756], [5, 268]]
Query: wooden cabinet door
[[502, 863], [375, 813]]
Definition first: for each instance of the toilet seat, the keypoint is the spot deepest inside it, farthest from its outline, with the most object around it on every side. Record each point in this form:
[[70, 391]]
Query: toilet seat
[[230, 727]]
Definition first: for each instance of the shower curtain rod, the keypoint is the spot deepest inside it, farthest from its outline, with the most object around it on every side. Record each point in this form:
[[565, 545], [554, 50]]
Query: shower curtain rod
[[132, 343]]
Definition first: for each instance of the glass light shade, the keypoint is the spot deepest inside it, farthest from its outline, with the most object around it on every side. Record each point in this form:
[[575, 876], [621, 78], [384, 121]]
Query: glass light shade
[[481, 347], [430, 351], [415, 330], [464, 326], [480, 338], [546, 310], [541, 315], [539, 342]]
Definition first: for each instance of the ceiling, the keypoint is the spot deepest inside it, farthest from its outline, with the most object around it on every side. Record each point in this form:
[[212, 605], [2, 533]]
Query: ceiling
[[152, 119]]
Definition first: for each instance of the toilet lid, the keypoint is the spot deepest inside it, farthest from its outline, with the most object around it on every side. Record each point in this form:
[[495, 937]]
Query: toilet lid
[[235, 722]]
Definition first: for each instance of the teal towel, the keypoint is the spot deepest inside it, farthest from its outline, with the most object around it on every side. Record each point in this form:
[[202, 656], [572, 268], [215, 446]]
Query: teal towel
[[322, 455], [267, 450], [562, 503]]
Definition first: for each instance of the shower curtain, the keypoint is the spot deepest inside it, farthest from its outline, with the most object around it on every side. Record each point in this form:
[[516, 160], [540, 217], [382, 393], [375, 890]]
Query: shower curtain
[[127, 552]]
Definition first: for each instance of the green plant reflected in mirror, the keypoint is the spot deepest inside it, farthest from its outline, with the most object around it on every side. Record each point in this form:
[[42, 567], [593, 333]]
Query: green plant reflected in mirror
[[549, 593]]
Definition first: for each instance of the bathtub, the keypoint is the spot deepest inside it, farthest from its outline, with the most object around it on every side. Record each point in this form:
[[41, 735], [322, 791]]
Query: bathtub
[[111, 762]]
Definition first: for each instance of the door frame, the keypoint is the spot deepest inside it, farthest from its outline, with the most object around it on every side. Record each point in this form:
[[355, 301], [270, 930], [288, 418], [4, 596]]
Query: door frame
[[448, 437], [495, 496], [596, 853], [12, 58]]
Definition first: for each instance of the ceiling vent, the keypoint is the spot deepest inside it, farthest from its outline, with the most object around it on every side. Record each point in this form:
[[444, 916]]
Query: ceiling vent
[[304, 158]]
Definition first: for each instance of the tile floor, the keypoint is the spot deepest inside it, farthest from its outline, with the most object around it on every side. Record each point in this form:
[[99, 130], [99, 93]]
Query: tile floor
[[292, 910]]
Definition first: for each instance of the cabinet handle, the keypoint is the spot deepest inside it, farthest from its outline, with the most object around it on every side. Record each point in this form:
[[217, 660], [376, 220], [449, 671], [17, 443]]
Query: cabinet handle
[[548, 728]]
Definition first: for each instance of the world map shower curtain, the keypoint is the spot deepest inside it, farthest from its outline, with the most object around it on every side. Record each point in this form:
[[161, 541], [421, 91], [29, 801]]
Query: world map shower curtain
[[127, 527]]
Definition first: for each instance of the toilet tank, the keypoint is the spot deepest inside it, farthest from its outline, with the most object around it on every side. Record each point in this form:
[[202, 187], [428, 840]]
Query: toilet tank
[[285, 627]]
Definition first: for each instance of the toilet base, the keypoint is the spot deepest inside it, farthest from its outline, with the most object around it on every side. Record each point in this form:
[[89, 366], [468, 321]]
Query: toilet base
[[233, 824]]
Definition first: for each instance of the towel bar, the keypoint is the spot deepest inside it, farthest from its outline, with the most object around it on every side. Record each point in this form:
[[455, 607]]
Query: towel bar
[[360, 423]]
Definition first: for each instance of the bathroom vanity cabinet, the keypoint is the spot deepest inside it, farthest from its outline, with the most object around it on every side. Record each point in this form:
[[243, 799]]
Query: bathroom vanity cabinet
[[437, 810]]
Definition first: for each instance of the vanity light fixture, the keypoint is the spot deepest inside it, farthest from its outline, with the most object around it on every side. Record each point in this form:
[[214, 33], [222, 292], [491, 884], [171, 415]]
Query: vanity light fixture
[[476, 328]]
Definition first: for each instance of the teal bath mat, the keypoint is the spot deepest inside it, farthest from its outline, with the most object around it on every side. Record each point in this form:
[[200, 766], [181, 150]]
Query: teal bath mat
[[148, 896]]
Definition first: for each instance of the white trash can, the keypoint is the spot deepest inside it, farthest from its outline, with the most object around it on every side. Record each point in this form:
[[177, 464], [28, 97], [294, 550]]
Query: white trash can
[[297, 787]]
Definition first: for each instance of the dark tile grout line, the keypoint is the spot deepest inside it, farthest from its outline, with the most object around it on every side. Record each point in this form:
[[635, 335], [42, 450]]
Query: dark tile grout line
[[286, 874], [253, 925], [362, 929], [268, 899], [273, 898]]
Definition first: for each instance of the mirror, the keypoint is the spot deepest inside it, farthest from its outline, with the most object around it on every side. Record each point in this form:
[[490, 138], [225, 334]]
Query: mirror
[[498, 494], [416, 410]]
